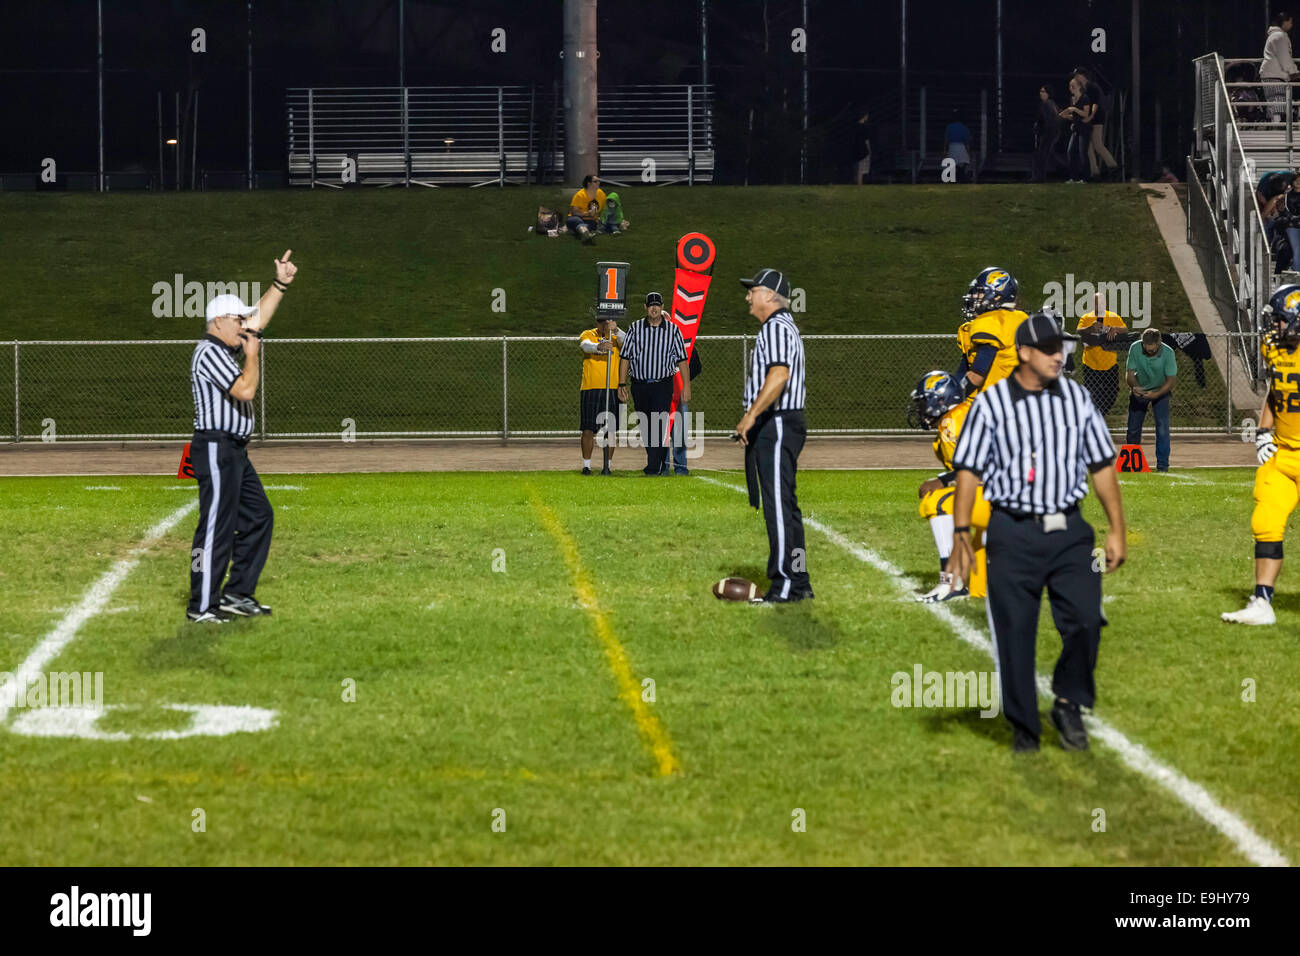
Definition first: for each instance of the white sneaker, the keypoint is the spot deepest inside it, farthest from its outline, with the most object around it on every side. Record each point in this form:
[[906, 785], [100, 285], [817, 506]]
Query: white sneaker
[[947, 589], [1257, 611]]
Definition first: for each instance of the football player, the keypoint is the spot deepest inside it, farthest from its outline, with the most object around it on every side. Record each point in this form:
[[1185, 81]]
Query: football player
[[939, 403], [1277, 445], [987, 338]]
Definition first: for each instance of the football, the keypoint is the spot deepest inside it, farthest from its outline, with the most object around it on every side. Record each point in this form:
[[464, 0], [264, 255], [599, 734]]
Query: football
[[735, 589]]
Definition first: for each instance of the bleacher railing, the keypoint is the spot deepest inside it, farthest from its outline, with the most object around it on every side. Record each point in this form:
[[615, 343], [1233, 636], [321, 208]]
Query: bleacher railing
[[1234, 145], [474, 135], [510, 387]]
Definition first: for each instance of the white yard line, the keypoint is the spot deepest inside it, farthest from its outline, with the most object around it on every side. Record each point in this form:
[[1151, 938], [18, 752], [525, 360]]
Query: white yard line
[[1249, 843], [93, 602]]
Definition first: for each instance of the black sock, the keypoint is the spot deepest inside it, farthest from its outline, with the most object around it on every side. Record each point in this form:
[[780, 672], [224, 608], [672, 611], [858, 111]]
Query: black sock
[[1264, 591], [943, 565]]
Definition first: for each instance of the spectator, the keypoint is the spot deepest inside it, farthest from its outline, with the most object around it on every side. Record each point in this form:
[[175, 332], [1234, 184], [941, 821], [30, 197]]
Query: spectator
[[682, 423], [1096, 130], [956, 146], [862, 134], [1152, 371], [1196, 347], [1047, 128], [1100, 363], [1288, 220], [1278, 67], [1077, 149], [612, 221], [1166, 174], [1270, 197], [585, 209]]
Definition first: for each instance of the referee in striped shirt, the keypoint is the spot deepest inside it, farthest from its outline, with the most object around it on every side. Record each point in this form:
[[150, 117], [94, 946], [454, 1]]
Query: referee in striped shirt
[[773, 432], [235, 517], [1034, 438], [653, 352]]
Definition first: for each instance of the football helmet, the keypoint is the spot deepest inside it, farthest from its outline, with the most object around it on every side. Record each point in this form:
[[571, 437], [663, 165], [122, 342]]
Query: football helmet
[[993, 288], [1283, 310], [935, 394]]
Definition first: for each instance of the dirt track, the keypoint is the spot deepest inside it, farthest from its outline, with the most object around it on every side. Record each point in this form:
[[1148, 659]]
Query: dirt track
[[319, 457]]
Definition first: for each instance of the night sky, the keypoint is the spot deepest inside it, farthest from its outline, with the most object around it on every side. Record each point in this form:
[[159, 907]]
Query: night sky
[[48, 81]]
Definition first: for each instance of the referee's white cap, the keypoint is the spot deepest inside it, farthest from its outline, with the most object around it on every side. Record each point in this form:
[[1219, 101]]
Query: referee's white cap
[[229, 305]]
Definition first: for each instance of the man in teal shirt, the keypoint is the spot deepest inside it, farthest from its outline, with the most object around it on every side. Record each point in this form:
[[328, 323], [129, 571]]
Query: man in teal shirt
[[1152, 371]]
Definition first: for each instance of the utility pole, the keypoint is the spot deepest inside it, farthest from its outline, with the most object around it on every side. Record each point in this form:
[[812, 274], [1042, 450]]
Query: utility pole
[[1136, 169], [99, 17], [580, 154]]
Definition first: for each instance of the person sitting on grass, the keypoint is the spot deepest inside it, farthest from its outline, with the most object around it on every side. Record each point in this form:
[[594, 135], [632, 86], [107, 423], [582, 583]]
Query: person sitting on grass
[[612, 221], [585, 209]]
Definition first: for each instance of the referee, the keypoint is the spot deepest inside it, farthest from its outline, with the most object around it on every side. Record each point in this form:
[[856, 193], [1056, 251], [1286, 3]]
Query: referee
[[773, 431], [235, 517], [653, 353], [1033, 438]]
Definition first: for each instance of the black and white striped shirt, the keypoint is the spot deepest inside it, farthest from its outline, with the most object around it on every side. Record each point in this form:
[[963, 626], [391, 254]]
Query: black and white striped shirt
[[213, 371], [778, 344], [1033, 449], [653, 353]]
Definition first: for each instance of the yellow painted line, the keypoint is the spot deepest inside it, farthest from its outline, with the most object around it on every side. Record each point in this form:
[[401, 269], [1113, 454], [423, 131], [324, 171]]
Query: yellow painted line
[[652, 731]]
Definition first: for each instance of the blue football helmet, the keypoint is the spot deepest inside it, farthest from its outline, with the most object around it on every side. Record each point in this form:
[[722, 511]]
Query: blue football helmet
[[1283, 310], [934, 395], [993, 288]]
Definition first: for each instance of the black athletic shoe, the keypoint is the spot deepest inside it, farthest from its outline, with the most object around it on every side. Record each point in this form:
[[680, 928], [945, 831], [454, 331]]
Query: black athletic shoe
[[1069, 722], [586, 470], [801, 595], [242, 606], [210, 616], [1023, 742]]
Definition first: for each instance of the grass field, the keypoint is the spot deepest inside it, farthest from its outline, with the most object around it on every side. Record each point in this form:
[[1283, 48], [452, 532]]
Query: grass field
[[521, 690]]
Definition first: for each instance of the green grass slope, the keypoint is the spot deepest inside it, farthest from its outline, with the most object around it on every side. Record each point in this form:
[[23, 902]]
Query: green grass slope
[[426, 262]]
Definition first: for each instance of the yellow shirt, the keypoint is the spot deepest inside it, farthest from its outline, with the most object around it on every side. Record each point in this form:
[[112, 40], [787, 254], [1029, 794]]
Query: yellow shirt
[[1284, 399], [945, 443], [594, 364], [1094, 356], [996, 328], [581, 200]]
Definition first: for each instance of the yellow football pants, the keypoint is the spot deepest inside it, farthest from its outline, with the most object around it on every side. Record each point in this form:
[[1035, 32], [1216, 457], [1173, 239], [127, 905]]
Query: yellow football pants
[[939, 502], [1277, 491]]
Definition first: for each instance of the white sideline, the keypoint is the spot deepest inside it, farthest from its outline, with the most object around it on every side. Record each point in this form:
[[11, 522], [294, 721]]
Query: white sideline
[[1249, 843], [92, 602]]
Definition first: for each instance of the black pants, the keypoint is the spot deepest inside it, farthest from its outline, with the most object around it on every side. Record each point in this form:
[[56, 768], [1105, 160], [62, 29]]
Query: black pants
[[235, 520], [1022, 560], [653, 400], [1103, 386], [777, 441]]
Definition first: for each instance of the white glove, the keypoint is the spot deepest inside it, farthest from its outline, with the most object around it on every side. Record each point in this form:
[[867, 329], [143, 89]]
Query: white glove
[[1265, 447]]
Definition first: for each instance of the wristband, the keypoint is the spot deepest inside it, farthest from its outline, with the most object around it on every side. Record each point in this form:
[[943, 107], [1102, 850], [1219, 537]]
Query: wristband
[[964, 529], [622, 384], [283, 287]]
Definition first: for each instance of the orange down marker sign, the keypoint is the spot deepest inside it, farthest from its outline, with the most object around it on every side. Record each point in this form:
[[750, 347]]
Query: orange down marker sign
[[186, 469], [1131, 458]]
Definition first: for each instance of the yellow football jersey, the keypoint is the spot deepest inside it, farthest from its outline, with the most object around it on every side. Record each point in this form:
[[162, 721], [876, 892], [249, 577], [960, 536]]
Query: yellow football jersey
[[1284, 399], [945, 442], [996, 328]]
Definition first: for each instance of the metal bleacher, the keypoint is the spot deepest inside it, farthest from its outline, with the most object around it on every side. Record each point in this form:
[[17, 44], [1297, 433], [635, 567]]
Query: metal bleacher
[[476, 136], [1236, 142]]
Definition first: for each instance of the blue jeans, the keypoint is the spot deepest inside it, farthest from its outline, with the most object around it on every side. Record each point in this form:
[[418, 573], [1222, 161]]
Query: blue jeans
[[1137, 414], [679, 440], [1293, 237]]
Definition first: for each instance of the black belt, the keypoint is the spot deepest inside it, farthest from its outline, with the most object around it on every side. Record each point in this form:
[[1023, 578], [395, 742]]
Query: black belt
[[213, 435], [1030, 516], [649, 381]]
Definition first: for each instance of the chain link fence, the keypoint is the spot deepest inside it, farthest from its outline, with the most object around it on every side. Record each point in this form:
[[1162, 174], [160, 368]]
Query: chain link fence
[[517, 387]]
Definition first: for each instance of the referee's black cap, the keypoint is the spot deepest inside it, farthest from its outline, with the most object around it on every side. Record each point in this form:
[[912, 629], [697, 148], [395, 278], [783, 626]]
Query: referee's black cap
[[654, 298], [770, 278], [1044, 331]]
